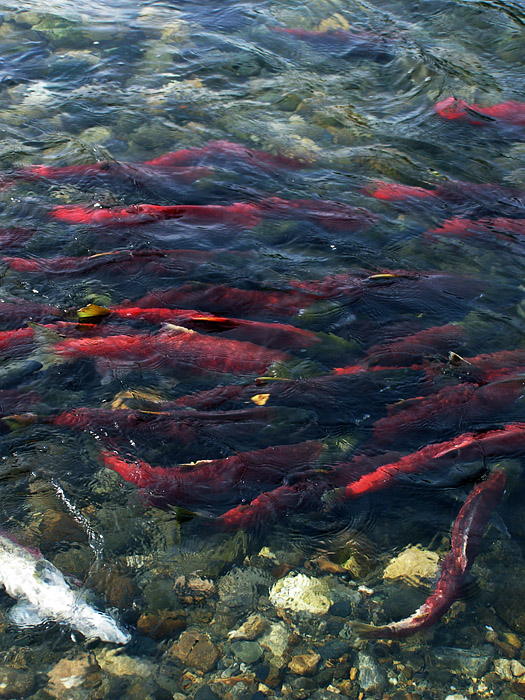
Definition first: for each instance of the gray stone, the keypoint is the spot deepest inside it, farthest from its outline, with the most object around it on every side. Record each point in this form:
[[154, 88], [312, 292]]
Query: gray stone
[[247, 652], [238, 588], [15, 682], [334, 649], [206, 693], [473, 662], [372, 678]]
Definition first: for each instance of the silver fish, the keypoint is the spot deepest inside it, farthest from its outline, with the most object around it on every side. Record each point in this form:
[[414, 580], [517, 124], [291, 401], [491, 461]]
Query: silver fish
[[43, 594]]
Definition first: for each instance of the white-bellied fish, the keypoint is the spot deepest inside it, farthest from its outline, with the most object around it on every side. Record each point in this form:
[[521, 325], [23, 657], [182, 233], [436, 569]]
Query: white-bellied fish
[[43, 594]]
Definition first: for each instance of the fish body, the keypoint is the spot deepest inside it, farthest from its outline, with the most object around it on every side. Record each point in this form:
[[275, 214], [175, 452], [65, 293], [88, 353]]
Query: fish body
[[14, 313], [448, 408], [44, 594], [240, 214], [509, 440], [136, 172], [509, 113], [271, 335], [485, 230], [177, 349], [223, 299], [413, 349], [331, 215], [15, 237], [467, 533], [452, 192], [126, 261], [203, 480], [180, 425], [269, 505], [352, 44], [230, 151]]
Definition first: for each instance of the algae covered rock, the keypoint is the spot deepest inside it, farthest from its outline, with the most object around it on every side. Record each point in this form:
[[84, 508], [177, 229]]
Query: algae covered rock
[[301, 593]]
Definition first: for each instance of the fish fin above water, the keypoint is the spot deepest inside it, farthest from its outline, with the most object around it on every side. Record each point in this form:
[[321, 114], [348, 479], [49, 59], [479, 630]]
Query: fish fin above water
[[25, 614]]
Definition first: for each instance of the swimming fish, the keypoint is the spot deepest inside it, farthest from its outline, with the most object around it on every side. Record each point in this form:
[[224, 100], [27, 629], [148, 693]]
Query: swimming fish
[[240, 214], [44, 594], [350, 44], [331, 215], [411, 351], [484, 230], [15, 312], [508, 113], [178, 349], [509, 440], [447, 409], [269, 505], [127, 261], [271, 335], [202, 481], [15, 237], [136, 172], [185, 165], [451, 192], [176, 424], [231, 151], [399, 289], [467, 533], [223, 299]]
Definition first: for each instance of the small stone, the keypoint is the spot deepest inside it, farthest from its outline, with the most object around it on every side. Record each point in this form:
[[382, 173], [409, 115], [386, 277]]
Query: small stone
[[334, 649], [15, 683], [247, 652], [252, 628], [195, 649], [414, 565], [115, 662], [518, 670], [512, 639], [473, 662], [165, 623], [304, 664], [276, 640], [508, 669], [56, 526], [193, 588], [206, 693], [273, 678], [72, 673], [372, 678], [298, 592]]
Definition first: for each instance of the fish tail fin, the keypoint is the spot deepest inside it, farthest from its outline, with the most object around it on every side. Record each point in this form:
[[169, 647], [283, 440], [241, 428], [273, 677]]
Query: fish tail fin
[[18, 421], [362, 630]]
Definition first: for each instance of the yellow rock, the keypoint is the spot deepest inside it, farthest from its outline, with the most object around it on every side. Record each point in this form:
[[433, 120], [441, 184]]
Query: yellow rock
[[414, 565], [336, 21]]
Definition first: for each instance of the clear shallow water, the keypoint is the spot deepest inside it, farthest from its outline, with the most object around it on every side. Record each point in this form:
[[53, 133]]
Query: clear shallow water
[[120, 83]]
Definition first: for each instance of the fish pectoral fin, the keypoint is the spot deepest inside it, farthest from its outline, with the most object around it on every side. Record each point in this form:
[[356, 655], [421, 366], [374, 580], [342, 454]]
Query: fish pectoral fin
[[25, 614]]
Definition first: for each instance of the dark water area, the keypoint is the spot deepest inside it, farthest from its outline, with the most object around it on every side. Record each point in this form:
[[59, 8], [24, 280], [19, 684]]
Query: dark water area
[[262, 349]]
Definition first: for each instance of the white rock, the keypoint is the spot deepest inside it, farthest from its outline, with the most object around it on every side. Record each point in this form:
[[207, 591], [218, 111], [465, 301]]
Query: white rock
[[276, 640], [300, 593]]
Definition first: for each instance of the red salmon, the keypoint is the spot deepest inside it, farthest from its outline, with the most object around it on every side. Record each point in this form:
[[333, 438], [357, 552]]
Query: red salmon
[[191, 483], [509, 440], [178, 349], [467, 533], [510, 113]]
